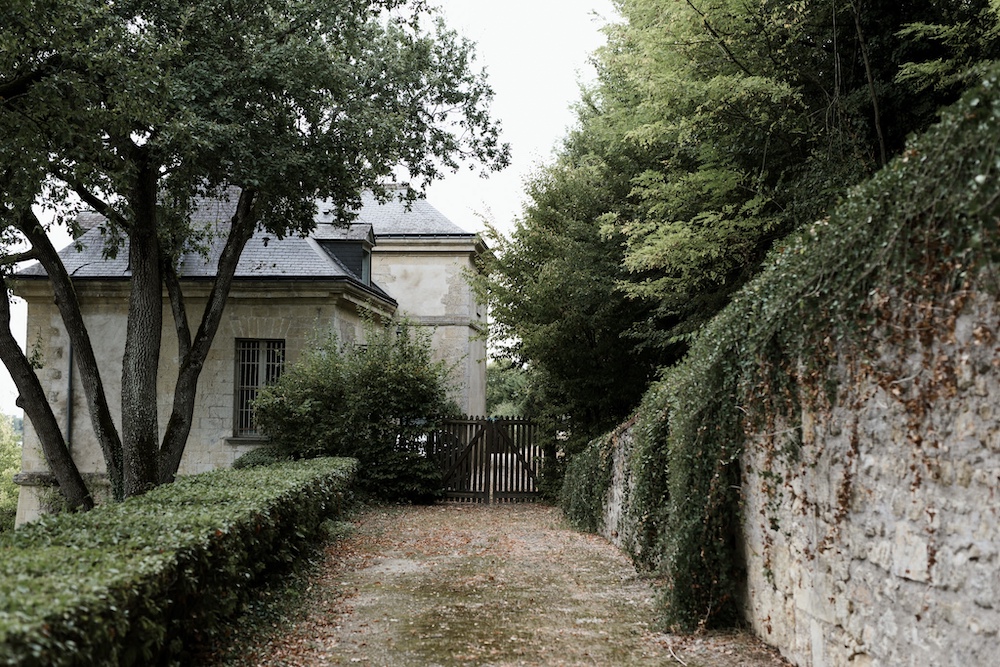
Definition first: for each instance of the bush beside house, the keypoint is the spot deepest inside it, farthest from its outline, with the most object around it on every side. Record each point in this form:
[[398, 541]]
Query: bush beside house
[[374, 402]]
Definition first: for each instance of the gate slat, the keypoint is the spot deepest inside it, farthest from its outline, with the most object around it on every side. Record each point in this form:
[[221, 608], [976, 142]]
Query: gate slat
[[488, 459]]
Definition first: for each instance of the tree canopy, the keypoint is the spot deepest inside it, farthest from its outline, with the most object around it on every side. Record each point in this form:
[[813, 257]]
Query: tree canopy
[[137, 108], [715, 128]]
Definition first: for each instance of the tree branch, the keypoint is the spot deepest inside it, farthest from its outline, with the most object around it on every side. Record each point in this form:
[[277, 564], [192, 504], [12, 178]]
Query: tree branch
[[176, 296], [95, 202], [22, 84], [244, 222], [37, 408], [719, 40], [871, 83], [90, 376], [10, 260]]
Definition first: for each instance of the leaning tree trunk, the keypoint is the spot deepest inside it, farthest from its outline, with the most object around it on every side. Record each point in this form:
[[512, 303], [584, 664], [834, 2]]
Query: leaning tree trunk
[[141, 358], [86, 362], [37, 409], [192, 354]]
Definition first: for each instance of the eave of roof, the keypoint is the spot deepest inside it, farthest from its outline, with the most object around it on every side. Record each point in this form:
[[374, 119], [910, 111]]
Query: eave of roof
[[266, 257]]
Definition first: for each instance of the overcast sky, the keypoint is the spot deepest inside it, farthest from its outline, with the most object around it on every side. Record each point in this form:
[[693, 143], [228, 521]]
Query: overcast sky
[[536, 54]]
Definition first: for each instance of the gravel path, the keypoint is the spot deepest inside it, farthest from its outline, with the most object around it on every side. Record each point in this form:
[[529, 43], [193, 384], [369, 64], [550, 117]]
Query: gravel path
[[463, 585]]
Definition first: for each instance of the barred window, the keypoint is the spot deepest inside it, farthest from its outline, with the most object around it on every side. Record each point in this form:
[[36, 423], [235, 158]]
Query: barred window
[[258, 363]]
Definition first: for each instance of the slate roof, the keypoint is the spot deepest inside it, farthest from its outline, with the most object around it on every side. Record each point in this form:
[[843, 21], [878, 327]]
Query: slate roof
[[265, 256], [393, 219]]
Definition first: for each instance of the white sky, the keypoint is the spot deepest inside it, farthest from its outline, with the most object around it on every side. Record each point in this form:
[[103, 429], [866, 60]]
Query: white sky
[[536, 54]]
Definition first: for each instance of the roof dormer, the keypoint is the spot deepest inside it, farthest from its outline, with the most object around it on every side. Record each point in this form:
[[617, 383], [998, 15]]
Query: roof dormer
[[350, 246]]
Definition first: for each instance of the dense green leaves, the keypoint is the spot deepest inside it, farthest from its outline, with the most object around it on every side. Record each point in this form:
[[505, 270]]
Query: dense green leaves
[[375, 401], [10, 465], [715, 128], [302, 99], [554, 298], [137, 583], [892, 263], [506, 390], [759, 117]]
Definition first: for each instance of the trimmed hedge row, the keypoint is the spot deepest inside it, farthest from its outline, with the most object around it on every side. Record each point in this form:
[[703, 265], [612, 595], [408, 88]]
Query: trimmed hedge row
[[134, 583]]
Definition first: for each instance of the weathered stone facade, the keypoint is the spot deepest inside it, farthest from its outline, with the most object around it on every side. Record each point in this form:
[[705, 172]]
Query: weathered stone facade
[[878, 543], [292, 313], [429, 277]]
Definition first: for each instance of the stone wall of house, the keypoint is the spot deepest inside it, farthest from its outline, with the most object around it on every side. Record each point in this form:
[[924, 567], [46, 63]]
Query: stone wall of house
[[292, 313], [429, 278], [872, 534]]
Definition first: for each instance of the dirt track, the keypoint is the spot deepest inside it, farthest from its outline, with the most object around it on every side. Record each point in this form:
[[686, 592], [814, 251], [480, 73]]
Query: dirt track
[[462, 585]]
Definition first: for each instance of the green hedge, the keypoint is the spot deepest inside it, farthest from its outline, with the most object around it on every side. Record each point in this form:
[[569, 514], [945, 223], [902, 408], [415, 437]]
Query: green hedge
[[910, 242], [586, 484], [135, 583]]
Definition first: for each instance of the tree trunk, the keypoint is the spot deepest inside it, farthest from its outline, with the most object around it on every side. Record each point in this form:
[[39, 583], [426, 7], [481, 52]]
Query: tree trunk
[[871, 85], [90, 376], [192, 354], [37, 409], [140, 363]]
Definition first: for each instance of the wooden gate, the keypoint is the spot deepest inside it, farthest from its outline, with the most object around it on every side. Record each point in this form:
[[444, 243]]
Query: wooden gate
[[489, 460]]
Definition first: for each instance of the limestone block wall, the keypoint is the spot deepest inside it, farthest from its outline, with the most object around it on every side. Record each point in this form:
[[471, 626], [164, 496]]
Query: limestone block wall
[[293, 313], [875, 541], [429, 279], [426, 281]]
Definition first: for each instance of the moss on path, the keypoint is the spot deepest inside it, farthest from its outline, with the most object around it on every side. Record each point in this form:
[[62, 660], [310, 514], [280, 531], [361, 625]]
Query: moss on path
[[462, 585]]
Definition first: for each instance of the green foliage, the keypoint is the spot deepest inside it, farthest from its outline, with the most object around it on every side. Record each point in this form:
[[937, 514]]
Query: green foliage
[[263, 456], [922, 231], [10, 465], [758, 117], [506, 390], [135, 583], [270, 95], [374, 402], [648, 476], [586, 483], [557, 310], [714, 129]]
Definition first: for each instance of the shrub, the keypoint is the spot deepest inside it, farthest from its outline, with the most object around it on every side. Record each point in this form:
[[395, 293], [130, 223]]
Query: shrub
[[10, 465], [263, 456], [586, 483], [374, 402], [133, 583]]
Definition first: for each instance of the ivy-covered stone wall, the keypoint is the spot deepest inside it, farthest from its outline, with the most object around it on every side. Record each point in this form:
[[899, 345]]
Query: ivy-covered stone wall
[[877, 542], [825, 462], [871, 533]]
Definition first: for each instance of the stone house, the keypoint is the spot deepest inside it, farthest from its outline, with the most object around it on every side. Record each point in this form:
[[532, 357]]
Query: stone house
[[413, 262]]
